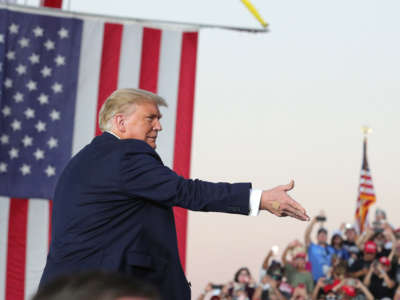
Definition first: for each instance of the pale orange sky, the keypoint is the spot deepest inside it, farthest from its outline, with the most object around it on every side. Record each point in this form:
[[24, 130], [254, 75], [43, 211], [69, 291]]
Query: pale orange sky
[[290, 104]]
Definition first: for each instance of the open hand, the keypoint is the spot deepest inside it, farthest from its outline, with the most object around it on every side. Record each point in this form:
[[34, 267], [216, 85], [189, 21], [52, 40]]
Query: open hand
[[279, 203]]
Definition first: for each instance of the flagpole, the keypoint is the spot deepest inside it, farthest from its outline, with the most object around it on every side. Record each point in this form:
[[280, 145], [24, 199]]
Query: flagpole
[[118, 19], [366, 194], [365, 130]]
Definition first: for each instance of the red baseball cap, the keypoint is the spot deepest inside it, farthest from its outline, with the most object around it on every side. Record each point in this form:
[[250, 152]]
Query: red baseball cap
[[329, 287], [370, 247], [384, 261], [349, 290], [300, 255]]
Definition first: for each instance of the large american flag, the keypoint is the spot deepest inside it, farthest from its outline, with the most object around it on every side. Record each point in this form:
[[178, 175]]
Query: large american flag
[[55, 73], [366, 194]]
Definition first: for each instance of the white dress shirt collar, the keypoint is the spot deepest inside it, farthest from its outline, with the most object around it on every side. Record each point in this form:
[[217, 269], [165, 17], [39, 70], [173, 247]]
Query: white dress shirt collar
[[110, 132]]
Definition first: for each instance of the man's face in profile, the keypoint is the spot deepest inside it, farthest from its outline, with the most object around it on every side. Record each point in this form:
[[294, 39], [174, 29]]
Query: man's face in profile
[[144, 123]]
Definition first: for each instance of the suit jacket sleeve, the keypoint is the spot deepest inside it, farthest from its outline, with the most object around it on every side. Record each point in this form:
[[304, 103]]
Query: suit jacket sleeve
[[143, 176]]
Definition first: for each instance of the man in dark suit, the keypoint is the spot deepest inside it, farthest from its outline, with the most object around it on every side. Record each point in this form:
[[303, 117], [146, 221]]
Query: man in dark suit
[[113, 202]]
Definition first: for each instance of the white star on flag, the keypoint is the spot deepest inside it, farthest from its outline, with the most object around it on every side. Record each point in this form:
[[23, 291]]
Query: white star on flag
[[40, 126], [21, 69], [46, 71], [55, 115], [52, 142], [31, 85], [16, 125], [3, 167], [18, 97], [60, 60], [27, 141], [13, 153], [39, 154], [29, 113], [63, 33], [24, 42], [25, 169], [4, 139], [50, 171], [13, 28], [8, 83], [1, 38], [6, 111], [38, 31], [43, 99], [34, 58], [10, 55], [57, 88], [49, 45]]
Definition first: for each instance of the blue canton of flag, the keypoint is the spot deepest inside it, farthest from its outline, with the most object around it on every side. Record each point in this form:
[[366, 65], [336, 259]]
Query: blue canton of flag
[[39, 58]]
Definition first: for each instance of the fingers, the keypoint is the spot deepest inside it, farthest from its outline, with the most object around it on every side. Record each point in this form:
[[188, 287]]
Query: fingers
[[289, 186], [292, 208], [293, 214], [286, 209], [296, 208], [279, 203], [299, 209]]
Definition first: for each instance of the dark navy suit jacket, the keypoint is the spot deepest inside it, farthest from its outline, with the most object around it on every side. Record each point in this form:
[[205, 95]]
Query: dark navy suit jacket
[[112, 211]]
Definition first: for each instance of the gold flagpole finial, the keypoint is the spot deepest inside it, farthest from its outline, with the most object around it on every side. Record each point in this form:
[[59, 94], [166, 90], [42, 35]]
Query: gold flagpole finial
[[366, 130], [255, 13]]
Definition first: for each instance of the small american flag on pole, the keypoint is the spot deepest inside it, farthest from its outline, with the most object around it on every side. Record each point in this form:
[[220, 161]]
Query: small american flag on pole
[[366, 194]]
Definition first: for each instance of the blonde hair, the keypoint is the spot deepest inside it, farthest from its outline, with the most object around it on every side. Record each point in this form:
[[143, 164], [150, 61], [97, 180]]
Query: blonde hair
[[119, 102]]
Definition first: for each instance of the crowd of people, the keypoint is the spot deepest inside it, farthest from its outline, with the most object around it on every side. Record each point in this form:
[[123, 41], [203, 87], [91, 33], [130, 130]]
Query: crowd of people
[[348, 266]]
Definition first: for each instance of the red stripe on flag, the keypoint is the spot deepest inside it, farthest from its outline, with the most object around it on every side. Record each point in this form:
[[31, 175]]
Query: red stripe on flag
[[365, 185], [151, 44], [52, 3], [108, 81], [184, 125], [16, 249]]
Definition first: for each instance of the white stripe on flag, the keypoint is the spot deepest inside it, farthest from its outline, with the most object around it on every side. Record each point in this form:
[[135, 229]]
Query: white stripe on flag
[[4, 212], [367, 190], [366, 181], [365, 172], [37, 244], [168, 84], [88, 84], [130, 56]]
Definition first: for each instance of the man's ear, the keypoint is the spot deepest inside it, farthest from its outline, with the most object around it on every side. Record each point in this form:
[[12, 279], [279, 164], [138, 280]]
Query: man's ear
[[119, 122]]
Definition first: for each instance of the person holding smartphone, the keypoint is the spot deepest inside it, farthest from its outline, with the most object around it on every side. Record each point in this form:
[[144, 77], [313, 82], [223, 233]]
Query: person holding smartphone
[[320, 253], [379, 279], [361, 266], [243, 284], [352, 289]]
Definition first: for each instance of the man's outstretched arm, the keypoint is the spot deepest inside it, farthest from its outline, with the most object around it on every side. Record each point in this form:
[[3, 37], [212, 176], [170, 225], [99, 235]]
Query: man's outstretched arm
[[146, 177]]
